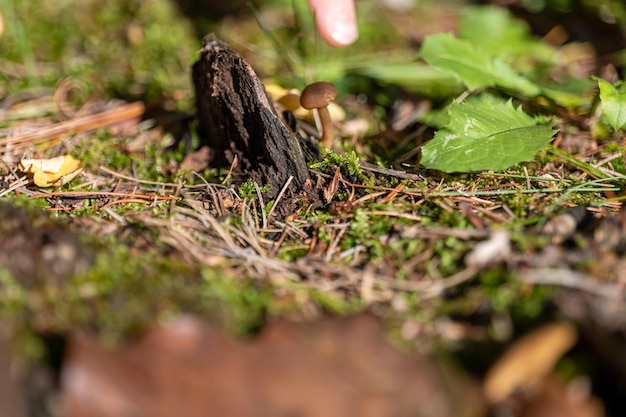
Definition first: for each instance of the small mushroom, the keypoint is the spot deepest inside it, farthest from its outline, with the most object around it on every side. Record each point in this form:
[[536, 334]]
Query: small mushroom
[[317, 96]]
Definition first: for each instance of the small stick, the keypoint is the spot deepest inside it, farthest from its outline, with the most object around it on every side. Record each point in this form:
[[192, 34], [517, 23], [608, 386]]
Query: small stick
[[70, 127]]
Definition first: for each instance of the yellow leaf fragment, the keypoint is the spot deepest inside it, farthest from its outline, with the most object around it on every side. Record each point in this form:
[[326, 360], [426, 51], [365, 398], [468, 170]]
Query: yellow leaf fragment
[[53, 171], [290, 99], [30, 166], [275, 91], [529, 360]]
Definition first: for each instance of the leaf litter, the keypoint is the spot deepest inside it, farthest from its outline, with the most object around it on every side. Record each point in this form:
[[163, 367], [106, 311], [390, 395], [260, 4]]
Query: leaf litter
[[396, 239]]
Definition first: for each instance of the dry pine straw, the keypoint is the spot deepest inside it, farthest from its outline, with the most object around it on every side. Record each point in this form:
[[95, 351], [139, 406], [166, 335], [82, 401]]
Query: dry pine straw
[[193, 226]]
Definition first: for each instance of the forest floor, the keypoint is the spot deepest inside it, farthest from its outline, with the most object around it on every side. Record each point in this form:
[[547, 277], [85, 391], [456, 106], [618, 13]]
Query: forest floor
[[139, 279]]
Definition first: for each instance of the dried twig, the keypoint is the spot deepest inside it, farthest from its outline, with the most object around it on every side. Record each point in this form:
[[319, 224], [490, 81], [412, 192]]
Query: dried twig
[[70, 127], [572, 279], [96, 194]]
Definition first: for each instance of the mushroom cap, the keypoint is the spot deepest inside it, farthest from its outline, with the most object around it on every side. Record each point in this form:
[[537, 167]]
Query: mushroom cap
[[317, 95]]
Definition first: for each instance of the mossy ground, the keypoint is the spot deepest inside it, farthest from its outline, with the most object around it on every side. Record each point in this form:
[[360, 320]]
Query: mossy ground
[[203, 244]]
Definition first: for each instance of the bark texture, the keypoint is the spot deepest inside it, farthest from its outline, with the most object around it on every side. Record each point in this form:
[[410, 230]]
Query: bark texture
[[237, 118]]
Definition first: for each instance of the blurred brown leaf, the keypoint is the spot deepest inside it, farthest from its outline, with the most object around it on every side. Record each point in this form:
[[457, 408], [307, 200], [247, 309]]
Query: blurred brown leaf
[[529, 360], [334, 367], [197, 161]]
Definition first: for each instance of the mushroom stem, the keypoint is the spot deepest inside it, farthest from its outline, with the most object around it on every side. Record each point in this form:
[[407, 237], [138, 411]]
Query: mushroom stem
[[327, 127]]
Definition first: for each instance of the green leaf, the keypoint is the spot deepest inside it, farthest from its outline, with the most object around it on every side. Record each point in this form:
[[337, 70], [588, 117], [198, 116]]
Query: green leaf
[[508, 79], [418, 78], [473, 67], [485, 133], [458, 57], [613, 99], [495, 31], [570, 92]]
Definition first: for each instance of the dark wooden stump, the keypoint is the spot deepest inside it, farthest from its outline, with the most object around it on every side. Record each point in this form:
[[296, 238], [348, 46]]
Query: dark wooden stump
[[237, 118]]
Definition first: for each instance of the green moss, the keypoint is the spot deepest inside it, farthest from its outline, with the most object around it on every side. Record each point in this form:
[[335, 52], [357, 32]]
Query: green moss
[[12, 295], [348, 163], [334, 303], [124, 291], [32, 206], [248, 190], [241, 304]]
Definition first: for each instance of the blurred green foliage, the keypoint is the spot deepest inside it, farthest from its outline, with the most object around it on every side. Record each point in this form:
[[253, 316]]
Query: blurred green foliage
[[140, 48]]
